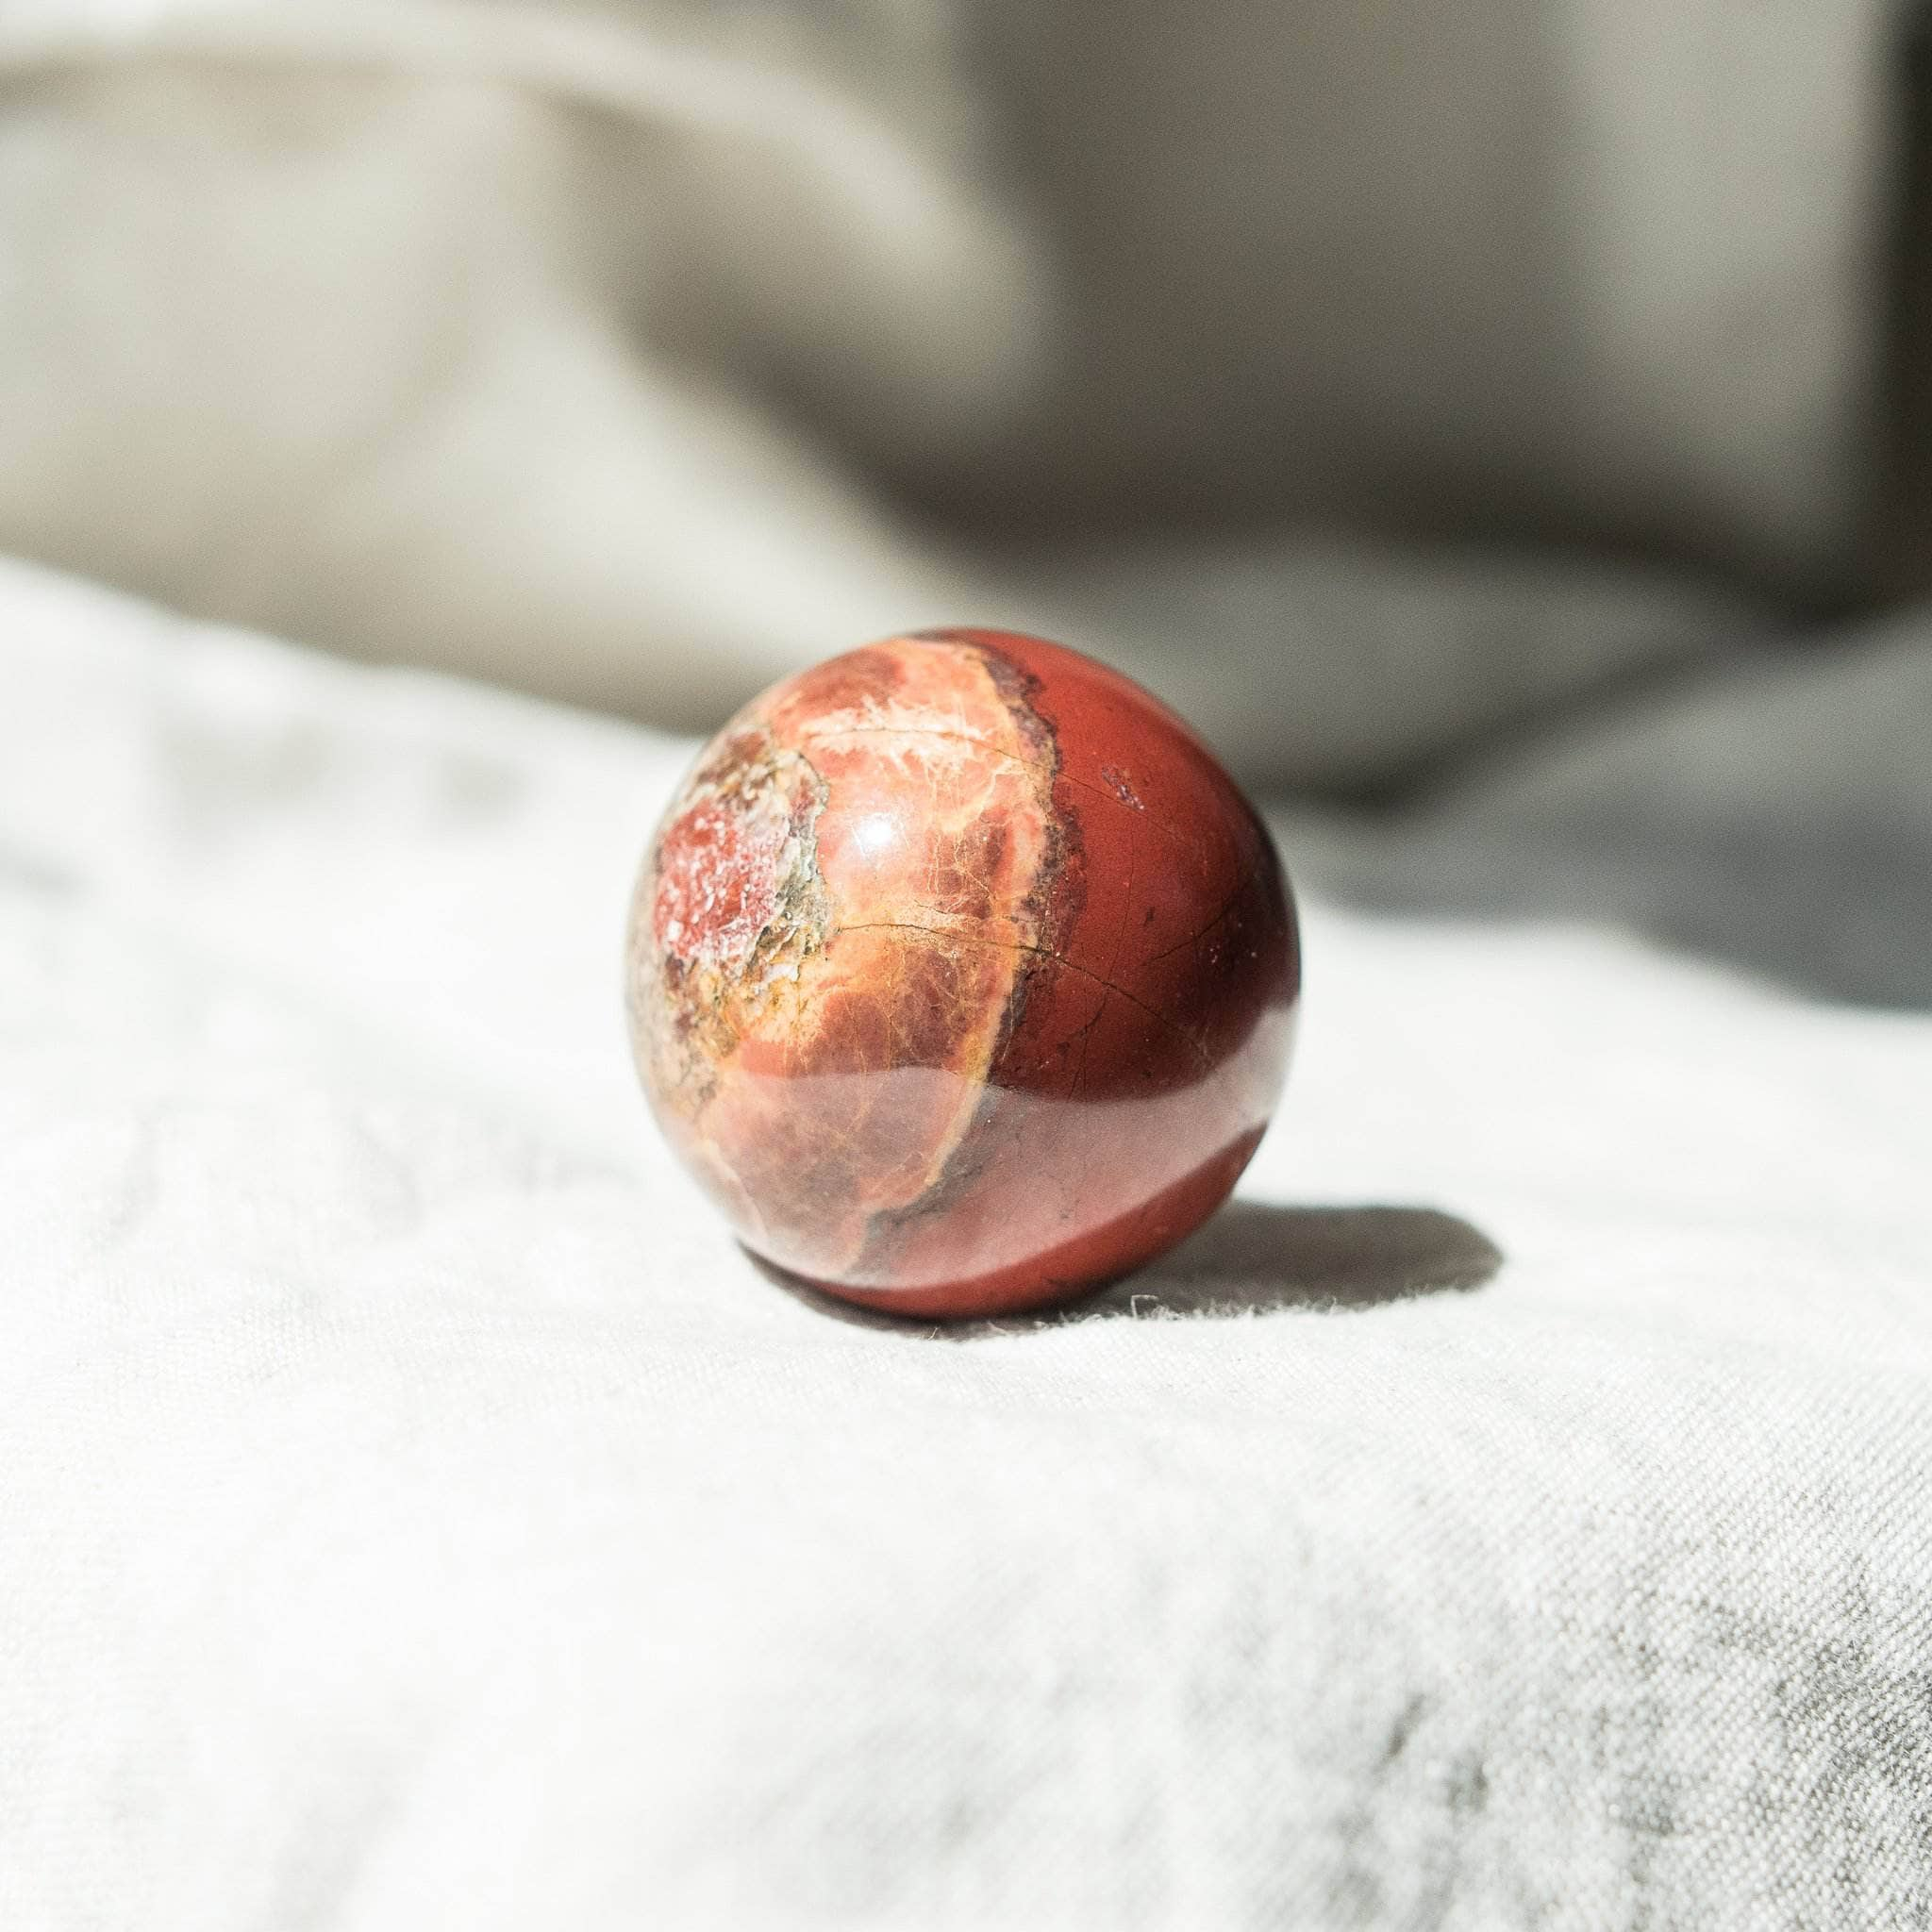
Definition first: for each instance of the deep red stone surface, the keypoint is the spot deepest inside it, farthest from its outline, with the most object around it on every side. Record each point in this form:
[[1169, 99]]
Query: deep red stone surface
[[961, 975]]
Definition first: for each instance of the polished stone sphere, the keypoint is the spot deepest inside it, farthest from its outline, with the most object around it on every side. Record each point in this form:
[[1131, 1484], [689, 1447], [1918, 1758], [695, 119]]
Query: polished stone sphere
[[961, 975]]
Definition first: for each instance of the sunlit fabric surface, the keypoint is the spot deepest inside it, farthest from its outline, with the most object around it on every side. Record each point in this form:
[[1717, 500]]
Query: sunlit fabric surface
[[416, 1511]]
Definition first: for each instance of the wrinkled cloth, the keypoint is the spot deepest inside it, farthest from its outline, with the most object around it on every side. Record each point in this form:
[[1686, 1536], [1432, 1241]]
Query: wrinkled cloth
[[414, 1511]]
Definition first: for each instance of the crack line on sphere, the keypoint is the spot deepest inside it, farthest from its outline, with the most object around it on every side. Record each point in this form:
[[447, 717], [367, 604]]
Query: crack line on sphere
[[1195, 938], [936, 932], [1186, 844]]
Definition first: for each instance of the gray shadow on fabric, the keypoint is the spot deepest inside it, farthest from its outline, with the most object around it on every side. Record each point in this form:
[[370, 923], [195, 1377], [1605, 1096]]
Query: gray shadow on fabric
[[1251, 1259]]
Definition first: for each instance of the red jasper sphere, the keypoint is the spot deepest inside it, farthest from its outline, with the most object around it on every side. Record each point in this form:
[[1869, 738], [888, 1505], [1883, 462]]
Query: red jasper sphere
[[961, 975]]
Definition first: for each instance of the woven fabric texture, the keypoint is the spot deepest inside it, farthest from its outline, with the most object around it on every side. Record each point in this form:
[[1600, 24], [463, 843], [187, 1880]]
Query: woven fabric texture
[[414, 1511]]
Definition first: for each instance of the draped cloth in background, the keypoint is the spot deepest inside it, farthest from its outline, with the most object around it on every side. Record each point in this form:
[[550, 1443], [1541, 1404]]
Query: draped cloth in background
[[633, 352]]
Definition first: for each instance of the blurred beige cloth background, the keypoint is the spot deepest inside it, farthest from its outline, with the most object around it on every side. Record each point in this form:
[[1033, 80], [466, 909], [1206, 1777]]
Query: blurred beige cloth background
[[633, 352]]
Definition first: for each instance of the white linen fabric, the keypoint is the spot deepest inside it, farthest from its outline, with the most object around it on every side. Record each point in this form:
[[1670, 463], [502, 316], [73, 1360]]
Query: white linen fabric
[[415, 1512]]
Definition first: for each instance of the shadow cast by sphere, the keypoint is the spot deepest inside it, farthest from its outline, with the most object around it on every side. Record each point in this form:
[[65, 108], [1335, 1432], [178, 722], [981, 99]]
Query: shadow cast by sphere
[[1251, 1259]]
